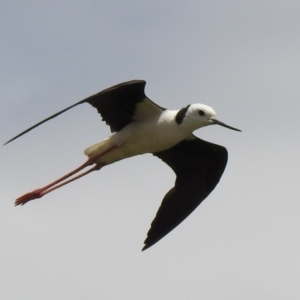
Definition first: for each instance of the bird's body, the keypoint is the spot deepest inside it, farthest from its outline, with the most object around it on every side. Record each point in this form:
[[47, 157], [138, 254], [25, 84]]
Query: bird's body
[[137, 138], [157, 134], [140, 126]]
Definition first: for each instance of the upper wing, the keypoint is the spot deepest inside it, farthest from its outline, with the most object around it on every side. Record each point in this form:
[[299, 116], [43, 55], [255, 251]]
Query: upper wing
[[118, 105], [123, 103], [199, 166]]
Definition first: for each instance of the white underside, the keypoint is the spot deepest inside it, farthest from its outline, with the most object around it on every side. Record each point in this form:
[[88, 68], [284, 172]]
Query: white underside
[[138, 137]]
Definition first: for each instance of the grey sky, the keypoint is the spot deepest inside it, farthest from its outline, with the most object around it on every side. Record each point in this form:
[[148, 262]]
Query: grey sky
[[83, 241]]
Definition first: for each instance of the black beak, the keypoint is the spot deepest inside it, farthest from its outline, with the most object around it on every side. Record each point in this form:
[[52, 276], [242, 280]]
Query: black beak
[[215, 121]]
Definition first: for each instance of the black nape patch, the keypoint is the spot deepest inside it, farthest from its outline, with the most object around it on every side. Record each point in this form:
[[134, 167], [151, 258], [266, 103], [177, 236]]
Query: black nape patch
[[181, 114]]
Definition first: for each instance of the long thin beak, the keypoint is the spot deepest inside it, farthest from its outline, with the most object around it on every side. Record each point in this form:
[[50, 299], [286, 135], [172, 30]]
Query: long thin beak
[[215, 121]]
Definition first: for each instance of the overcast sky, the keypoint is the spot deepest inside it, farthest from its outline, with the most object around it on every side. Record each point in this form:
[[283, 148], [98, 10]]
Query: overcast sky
[[84, 240]]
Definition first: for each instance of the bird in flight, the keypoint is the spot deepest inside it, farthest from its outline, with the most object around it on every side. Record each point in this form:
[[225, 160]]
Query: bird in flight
[[140, 126]]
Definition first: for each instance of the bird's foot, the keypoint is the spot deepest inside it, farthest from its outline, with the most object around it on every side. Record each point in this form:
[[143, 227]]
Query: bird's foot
[[29, 196]]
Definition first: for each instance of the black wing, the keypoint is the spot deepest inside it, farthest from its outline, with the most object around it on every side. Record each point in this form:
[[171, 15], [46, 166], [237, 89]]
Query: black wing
[[199, 166], [116, 105]]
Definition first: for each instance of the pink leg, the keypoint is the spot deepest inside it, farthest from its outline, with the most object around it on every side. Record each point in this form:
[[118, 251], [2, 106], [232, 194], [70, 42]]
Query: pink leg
[[38, 193]]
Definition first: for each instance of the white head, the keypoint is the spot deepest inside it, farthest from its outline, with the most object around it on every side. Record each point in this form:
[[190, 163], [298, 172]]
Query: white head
[[200, 115]]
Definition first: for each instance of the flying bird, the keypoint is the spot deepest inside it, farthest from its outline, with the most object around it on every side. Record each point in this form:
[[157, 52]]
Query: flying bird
[[140, 126]]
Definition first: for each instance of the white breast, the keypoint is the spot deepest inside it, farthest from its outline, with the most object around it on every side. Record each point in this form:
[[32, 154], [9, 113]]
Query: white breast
[[140, 137]]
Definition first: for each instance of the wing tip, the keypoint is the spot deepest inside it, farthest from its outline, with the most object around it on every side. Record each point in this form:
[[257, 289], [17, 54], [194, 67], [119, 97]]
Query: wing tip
[[146, 246], [14, 138], [150, 242], [43, 121]]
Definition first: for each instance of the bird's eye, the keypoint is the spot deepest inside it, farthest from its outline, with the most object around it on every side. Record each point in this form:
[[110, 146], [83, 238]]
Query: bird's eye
[[201, 112]]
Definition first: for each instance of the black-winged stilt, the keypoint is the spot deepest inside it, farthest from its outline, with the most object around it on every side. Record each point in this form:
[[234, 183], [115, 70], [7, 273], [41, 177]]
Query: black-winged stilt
[[141, 126]]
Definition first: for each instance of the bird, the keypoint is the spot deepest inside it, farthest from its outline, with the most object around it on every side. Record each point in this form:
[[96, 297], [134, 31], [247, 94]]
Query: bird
[[140, 126]]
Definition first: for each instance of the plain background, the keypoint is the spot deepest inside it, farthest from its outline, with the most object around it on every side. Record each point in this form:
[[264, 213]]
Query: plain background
[[84, 241]]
